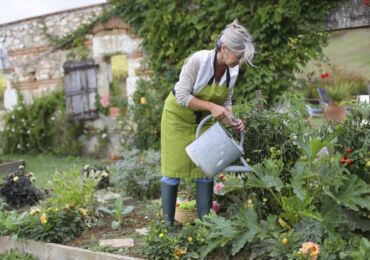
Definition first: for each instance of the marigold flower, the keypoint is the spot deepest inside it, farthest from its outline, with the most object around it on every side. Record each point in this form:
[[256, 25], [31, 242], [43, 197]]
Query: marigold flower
[[190, 239], [83, 212], [179, 252], [284, 241], [161, 235], [44, 218], [310, 249]]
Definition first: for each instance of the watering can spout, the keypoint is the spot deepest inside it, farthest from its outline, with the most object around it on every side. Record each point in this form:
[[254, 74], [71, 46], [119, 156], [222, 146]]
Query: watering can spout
[[239, 168]]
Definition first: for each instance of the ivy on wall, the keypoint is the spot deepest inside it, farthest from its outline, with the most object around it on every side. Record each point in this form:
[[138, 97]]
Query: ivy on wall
[[286, 33]]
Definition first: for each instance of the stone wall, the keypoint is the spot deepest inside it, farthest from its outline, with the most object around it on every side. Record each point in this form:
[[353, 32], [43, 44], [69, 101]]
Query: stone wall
[[33, 66]]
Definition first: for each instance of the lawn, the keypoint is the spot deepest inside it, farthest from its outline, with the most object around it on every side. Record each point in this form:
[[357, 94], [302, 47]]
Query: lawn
[[44, 166]]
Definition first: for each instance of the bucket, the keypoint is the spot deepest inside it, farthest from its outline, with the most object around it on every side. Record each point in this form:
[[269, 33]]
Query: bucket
[[215, 150]]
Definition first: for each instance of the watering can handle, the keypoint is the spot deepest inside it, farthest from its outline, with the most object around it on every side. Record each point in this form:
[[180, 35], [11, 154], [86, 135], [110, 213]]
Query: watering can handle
[[205, 120]]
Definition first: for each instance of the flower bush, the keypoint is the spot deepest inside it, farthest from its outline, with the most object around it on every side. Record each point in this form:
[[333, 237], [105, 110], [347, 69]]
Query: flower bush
[[18, 189], [162, 243], [98, 174], [138, 174], [41, 127], [71, 188]]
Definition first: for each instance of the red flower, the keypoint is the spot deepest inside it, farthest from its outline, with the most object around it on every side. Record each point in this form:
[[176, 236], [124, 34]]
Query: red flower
[[325, 75], [343, 160]]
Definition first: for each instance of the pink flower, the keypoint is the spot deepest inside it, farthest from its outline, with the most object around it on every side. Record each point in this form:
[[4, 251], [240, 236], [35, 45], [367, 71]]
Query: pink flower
[[218, 187], [216, 206], [310, 250], [104, 101]]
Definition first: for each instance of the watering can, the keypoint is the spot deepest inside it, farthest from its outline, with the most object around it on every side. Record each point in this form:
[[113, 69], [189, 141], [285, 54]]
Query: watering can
[[214, 151]]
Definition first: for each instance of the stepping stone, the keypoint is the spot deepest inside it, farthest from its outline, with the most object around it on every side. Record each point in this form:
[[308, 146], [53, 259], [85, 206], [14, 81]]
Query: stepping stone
[[142, 231], [116, 243]]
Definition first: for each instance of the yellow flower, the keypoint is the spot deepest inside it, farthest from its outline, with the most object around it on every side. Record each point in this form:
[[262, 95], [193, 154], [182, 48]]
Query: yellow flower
[[35, 211], [368, 164], [44, 218], [142, 100], [161, 235], [83, 212], [284, 241], [15, 179], [69, 206], [179, 252], [190, 240]]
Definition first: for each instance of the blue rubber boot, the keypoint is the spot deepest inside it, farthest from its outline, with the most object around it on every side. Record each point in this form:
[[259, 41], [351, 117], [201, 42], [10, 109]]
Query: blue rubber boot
[[204, 197], [169, 196]]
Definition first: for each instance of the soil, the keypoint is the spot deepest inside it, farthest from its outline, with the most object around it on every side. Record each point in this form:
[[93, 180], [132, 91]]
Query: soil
[[136, 219]]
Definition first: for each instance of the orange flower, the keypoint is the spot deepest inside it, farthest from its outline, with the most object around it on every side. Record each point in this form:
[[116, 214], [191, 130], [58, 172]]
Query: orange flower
[[310, 250], [179, 252]]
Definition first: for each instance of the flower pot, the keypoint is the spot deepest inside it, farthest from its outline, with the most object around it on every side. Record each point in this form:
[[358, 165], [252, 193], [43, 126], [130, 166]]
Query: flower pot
[[335, 113], [185, 216]]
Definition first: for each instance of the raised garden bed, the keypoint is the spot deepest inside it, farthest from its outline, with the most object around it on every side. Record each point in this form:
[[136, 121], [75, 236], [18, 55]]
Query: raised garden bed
[[55, 251], [10, 166]]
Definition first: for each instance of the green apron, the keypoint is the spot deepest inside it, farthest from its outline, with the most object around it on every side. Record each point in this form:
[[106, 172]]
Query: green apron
[[178, 127]]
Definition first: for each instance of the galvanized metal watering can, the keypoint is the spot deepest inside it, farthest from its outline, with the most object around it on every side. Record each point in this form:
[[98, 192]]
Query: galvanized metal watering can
[[215, 150]]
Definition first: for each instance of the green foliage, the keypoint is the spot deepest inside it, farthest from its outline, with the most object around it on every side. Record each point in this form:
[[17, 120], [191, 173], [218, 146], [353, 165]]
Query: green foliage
[[2, 87], [286, 36], [15, 255], [354, 133], [270, 133], [118, 211], [361, 250], [148, 104], [41, 127], [71, 188], [138, 174], [18, 189], [54, 225], [163, 243]]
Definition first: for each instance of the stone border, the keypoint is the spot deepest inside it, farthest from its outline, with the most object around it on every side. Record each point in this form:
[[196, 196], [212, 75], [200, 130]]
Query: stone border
[[50, 251]]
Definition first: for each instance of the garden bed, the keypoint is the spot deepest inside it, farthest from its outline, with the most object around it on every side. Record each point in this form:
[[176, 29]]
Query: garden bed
[[10, 166]]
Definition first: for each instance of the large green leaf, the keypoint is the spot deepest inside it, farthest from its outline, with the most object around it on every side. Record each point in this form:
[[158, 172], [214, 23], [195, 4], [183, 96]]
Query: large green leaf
[[266, 175], [354, 194], [300, 174]]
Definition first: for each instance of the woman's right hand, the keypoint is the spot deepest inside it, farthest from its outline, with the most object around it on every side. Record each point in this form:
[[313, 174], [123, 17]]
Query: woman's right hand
[[220, 112]]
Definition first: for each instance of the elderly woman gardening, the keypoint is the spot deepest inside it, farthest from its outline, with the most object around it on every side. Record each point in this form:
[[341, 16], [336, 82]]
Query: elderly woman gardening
[[205, 86]]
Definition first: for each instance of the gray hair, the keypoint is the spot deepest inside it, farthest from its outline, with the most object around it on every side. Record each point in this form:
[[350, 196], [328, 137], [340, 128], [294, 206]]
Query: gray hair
[[238, 40]]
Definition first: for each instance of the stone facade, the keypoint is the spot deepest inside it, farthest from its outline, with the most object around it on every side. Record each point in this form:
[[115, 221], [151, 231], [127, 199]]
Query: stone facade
[[32, 65]]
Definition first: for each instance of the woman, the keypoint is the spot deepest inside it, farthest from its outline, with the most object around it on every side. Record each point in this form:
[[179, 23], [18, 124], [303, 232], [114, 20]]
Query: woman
[[205, 86]]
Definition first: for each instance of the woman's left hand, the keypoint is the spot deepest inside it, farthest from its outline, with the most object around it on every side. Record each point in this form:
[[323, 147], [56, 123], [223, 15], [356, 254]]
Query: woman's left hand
[[239, 125]]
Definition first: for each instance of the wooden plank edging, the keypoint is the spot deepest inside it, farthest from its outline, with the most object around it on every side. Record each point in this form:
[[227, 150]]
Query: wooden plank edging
[[51, 251]]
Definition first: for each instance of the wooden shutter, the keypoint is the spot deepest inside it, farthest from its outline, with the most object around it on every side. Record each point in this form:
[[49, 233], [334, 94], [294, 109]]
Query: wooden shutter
[[80, 88]]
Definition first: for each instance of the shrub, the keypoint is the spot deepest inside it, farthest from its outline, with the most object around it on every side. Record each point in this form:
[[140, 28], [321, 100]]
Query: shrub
[[41, 127], [138, 174], [98, 174], [55, 225], [71, 188], [269, 133], [162, 243], [18, 189]]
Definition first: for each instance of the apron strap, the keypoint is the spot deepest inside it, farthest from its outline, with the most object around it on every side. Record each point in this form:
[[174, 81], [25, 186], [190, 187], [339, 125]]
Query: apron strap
[[210, 81]]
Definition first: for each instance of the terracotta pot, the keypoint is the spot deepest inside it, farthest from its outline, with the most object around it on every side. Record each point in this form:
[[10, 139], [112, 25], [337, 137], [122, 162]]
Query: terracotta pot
[[335, 113]]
